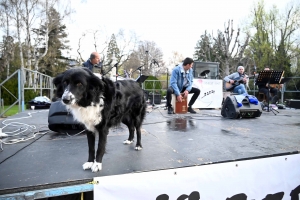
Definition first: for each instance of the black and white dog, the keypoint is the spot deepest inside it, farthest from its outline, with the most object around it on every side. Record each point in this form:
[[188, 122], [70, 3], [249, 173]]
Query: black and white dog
[[99, 104]]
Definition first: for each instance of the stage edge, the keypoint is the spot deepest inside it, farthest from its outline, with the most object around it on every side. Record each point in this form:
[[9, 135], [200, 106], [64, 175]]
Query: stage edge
[[37, 194]]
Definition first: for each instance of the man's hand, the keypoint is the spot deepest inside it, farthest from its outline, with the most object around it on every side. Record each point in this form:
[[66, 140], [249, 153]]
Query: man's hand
[[179, 98], [185, 94], [182, 95]]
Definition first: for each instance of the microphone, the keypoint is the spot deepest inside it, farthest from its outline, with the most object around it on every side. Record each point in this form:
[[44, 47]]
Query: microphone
[[140, 67], [155, 62], [116, 65]]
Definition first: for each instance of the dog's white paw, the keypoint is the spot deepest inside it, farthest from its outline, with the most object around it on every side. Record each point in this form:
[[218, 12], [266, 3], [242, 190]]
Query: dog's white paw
[[127, 141], [96, 167], [87, 165], [138, 148]]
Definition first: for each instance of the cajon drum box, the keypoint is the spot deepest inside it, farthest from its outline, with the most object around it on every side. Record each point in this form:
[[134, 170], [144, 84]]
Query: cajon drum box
[[179, 107]]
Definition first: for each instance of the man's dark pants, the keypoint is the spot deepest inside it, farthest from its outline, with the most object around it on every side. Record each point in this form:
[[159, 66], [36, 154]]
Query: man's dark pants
[[274, 91], [194, 91]]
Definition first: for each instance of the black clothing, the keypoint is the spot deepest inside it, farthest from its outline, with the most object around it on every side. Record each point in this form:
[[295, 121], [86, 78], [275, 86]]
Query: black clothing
[[191, 110], [89, 65], [194, 91], [170, 110], [264, 89]]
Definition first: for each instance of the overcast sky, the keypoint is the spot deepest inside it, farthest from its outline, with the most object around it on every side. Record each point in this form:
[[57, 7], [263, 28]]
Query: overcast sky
[[174, 25]]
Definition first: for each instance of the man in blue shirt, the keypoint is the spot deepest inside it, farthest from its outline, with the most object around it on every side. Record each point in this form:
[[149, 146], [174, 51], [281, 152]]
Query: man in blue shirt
[[93, 61], [181, 82], [237, 80]]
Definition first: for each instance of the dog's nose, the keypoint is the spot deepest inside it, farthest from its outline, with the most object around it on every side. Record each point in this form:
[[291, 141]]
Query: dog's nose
[[66, 101]]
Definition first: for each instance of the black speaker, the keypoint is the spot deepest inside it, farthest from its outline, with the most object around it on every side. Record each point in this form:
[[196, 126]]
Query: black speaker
[[60, 120], [293, 103], [231, 110]]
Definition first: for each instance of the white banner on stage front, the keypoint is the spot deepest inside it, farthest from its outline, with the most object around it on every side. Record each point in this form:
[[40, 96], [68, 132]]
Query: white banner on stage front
[[265, 178], [211, 94]]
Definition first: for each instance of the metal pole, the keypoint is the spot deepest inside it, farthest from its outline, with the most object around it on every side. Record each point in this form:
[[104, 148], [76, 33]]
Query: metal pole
[[116, 71], [51, 89], [167, 77], [22, 88], [153, 91], [147, 54], [282, 92], [19, 89], [41, 85]]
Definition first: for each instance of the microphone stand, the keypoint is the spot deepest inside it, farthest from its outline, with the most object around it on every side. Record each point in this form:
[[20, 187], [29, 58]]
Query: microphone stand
[[116, 65], [104, 73], [153, 62], [254, 81], [140, 69]]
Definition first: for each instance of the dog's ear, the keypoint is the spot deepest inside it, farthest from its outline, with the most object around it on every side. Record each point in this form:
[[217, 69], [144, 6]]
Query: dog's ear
[[109, 89], [57, 81], [96, 83]]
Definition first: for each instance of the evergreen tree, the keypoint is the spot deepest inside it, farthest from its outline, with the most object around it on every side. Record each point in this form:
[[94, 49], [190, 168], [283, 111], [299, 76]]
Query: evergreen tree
[[112, 54], [53, 62], [204, 49]]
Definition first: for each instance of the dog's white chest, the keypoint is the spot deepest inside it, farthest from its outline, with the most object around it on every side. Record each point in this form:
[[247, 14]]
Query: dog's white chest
[[89, 116]]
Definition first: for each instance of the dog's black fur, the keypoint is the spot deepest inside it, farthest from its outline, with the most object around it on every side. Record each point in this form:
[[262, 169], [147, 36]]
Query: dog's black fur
[[99, 104]]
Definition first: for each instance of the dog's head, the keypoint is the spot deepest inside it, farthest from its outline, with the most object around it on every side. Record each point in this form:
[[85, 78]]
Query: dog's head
[[79, 86]]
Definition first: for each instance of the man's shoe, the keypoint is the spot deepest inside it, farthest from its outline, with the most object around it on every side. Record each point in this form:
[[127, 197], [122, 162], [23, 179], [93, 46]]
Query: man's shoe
[[265, 108], [170, 110], [190, 109]]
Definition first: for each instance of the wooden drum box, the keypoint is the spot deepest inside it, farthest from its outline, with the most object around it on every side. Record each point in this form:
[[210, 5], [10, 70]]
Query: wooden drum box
[[179, 107]]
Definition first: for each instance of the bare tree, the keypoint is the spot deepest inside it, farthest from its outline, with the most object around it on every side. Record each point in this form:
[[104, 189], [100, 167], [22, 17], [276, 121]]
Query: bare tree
[[175, 59], [275, 42], [150, 56], [17, 8], [29, 16], [7, 45], [228, 48], [119, 46]]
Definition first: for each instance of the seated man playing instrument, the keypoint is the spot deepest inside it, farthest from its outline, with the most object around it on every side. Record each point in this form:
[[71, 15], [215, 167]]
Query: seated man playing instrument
[[269, 89], [236, 81]]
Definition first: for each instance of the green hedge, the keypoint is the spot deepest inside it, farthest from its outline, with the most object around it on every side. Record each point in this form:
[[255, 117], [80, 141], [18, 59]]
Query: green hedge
[[12, 87], [149, 84]]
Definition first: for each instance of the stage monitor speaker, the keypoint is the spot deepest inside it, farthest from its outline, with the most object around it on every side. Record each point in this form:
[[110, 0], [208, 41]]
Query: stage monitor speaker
[[293, 103], [231, 110], [60, 120]]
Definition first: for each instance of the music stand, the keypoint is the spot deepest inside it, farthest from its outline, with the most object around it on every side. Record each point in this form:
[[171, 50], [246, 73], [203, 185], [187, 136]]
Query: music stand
[[270, 77], [141, 79], [285, 80]]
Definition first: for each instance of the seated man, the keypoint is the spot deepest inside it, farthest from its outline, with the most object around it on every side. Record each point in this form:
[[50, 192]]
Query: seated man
[[267, 90], [236, 81], [181, 82]]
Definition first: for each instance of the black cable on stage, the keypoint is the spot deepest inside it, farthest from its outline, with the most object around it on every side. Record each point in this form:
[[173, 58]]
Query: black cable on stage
[[21, 149]]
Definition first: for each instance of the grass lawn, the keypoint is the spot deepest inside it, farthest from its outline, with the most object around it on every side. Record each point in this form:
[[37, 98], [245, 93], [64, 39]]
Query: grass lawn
[[12, 111]]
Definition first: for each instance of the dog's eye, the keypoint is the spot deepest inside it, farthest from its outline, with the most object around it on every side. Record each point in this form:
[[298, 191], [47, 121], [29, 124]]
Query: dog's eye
[[79, 84]]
